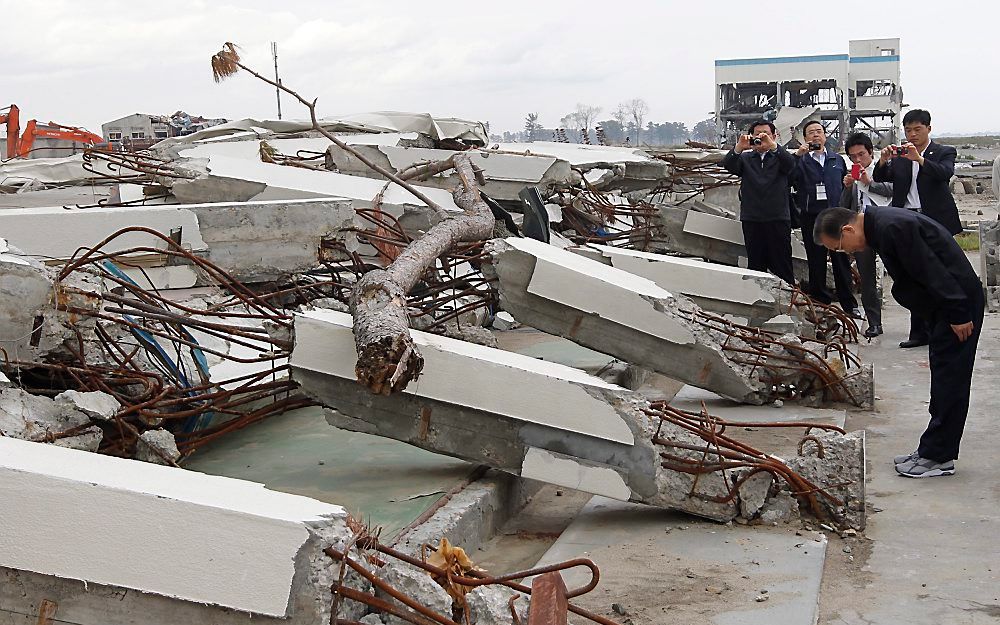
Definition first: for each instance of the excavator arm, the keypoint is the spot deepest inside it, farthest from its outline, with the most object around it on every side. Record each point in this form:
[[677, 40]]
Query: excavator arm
[[13, 128], [54, 131]]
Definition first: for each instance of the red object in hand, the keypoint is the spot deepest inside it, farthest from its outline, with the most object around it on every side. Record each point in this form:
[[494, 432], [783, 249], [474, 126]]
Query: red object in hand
[[856, 171]]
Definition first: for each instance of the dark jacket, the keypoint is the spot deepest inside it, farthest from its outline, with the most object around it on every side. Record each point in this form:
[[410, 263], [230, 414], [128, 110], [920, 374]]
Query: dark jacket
[[930, 273], [808, 174], [849, 196], [935, 174], [764, 184]]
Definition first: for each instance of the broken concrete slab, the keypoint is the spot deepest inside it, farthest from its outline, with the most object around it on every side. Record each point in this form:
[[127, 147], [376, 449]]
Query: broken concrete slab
[[228, 179], [754, 295], [628, 169], [38, 418], [693, 233], [506, 174], [270, 542], [598, 438], [157, 446], [618, 313], [94, 404], [437, 128], [837, 462], [989, 262], [252, 241]]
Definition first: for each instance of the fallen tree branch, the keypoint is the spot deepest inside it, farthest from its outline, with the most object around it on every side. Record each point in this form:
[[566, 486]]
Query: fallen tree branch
[[387, 357]]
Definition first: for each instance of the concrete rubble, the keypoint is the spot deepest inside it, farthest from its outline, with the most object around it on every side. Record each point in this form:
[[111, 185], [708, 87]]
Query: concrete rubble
[[632, 318], [211, 290], [752, 295], [600, 439]]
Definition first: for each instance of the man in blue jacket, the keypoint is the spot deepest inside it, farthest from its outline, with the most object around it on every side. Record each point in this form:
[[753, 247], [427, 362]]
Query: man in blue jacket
[[763, 167], [818, 180]]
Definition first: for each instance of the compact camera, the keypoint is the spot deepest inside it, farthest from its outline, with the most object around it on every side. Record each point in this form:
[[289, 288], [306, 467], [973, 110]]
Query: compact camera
[[755, 141], [814, 146], [901, 151]]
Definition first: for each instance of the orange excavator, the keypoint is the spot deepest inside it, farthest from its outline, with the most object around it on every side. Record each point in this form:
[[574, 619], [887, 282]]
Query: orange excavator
[[19, 145]]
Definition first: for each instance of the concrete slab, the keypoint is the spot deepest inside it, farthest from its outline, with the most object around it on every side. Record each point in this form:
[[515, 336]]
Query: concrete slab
[[615, 312], [754, 295], [253, 241], [155, 529], [662, 567], [691, 398]]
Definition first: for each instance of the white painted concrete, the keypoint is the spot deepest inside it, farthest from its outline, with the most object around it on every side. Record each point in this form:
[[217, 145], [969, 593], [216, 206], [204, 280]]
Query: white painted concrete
[[292, 183], [462, 373], [725, 229], [578, 153], [594, 287], [540, 464], [156, 529], [692, 277]]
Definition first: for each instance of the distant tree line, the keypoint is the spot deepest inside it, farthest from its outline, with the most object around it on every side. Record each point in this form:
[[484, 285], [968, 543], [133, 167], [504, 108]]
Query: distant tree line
[[627, 126]]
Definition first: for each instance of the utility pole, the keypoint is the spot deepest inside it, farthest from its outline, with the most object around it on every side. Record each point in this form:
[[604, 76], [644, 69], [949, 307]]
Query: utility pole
[[277, 91]]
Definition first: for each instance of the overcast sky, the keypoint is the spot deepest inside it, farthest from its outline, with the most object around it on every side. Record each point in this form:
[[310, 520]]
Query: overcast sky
[[87, 62]]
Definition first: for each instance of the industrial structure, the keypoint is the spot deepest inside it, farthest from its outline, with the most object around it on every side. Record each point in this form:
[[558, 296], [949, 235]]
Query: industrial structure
[[857, 91]]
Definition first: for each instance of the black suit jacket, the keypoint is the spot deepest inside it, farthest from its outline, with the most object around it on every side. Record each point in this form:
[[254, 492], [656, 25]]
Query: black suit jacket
[[764, 183], [935, 175]]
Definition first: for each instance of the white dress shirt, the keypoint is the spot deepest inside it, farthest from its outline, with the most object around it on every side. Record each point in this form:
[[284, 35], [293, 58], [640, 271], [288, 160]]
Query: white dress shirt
[[913, 196]]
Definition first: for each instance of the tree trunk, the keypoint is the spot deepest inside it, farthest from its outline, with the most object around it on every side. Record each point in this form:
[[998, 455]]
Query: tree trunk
[[387, 357]]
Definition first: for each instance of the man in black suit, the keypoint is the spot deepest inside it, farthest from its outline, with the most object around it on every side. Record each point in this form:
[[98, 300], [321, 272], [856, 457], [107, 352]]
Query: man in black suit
[[933, 279], [763, 167], [920, 172]]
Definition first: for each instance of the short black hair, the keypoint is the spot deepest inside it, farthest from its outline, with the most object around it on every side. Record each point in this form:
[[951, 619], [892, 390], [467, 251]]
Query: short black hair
[[859, 138], [831, 221], [761, 122], [810, 123], [917, 116]]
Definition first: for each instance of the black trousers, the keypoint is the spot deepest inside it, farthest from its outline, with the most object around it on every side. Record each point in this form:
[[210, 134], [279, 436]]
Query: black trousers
[[865, 260], [920, 329], [817, 256], [951, 365], [769, 247]]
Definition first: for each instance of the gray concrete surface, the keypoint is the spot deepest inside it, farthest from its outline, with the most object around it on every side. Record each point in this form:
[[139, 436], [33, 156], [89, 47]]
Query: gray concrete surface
[[662, 567]]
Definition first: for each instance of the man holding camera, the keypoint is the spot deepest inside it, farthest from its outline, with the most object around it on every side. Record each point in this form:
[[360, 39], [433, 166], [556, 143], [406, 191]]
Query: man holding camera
[[818, 180], [860, 194], [763, 167], [920, 171]]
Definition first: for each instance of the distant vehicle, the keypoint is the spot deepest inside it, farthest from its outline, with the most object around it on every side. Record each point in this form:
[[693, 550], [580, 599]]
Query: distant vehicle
[[20, 145]]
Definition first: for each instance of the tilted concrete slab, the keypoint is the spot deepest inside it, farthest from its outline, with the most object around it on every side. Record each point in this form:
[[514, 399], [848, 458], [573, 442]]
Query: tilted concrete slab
[[518, 414], [614, 312], [231, 179], [754, 295], [77, 525], [634, 169], [253, 241], [719, 239]]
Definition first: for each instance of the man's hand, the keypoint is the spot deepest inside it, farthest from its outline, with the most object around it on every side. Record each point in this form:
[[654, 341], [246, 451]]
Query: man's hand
[[742, 143], [848, 180], [865, 178], [886, 154], [962, 331], [767, 141], [912, 153], [803, 150]]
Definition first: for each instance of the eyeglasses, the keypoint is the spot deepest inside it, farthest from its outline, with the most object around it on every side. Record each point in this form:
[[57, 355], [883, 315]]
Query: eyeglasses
[[840, 242]]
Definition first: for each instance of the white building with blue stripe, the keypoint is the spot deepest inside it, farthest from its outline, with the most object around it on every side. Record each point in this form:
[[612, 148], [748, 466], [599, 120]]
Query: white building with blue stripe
[[855, 91]]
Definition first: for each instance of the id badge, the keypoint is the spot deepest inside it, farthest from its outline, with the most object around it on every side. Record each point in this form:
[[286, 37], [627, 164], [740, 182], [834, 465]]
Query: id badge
[[821, 192]]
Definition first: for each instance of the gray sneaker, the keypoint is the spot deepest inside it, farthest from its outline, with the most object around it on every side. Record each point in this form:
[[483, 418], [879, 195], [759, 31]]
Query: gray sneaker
[[906, 458], [924, 467]]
